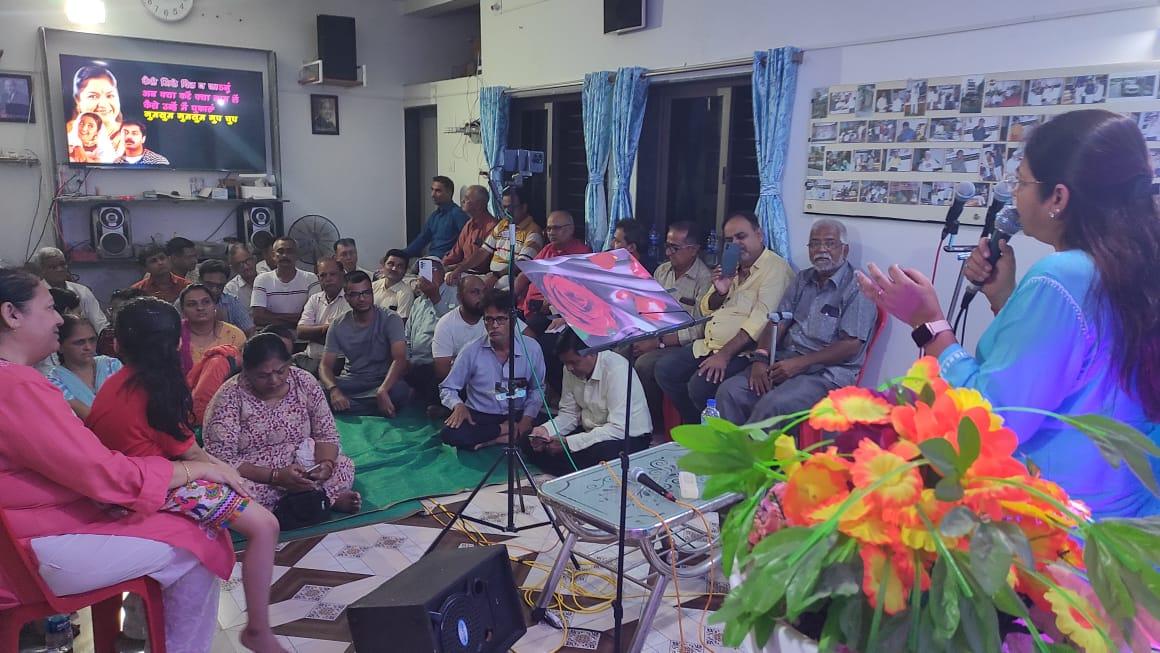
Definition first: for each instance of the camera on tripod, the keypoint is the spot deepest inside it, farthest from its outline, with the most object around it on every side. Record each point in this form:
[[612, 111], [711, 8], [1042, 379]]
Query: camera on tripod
[[522, 164]]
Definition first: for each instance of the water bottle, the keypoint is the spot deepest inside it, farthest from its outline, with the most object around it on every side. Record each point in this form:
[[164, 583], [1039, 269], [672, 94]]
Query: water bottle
[[654, 245], [710, 411], [58, 634]]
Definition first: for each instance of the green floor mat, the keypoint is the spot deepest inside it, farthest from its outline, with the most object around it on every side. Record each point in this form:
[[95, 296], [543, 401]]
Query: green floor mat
[[397, 462]]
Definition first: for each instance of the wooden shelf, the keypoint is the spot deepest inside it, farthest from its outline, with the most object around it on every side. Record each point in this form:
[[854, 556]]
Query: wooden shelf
[[92, 199], [21, 160]]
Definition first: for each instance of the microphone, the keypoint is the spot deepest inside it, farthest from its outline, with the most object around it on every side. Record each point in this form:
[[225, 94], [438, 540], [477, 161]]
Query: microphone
[[1000, 196], [637, 474], [964, 192], [1006, 225]]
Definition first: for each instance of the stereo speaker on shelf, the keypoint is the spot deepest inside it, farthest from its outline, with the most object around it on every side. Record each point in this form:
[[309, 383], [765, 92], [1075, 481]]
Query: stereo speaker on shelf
[[259, 224], [336, 47], [110, 231], [450, 601]]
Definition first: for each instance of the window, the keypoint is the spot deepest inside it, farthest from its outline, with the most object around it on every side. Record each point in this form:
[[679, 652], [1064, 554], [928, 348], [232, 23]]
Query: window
[[555, 126]]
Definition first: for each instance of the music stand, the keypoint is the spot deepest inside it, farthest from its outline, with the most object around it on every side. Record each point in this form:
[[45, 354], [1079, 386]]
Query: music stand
[[623, 323]]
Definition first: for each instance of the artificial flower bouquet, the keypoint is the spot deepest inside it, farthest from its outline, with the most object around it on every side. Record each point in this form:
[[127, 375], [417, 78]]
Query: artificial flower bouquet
[[921, 531]]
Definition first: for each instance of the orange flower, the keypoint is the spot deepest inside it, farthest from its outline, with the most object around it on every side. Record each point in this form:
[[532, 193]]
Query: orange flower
[[924, 372], [821, 480], [1071, 621], [847, 406], [913, 531], [860, 520], [877, 564], [873, 465]]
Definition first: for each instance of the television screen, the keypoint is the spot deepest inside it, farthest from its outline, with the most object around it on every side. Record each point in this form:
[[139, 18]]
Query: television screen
[[137, 113], [623, 15]]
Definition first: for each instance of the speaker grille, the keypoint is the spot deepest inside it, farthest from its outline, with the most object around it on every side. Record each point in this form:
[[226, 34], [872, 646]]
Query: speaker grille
[[459, 624], [114, 243]]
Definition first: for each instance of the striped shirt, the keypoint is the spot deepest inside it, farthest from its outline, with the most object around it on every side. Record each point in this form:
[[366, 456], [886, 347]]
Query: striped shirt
[[277, 296]]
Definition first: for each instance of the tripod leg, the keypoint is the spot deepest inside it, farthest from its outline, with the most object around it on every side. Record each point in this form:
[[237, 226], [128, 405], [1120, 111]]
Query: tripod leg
[[553, 579], [547, 511], [482, 482]]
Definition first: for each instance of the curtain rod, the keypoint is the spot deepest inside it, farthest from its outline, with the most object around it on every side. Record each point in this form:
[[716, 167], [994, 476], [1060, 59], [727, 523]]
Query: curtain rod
[[657, 72]]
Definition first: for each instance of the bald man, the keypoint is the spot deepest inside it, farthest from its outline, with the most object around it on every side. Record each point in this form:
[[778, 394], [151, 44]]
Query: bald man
[[479, 225]]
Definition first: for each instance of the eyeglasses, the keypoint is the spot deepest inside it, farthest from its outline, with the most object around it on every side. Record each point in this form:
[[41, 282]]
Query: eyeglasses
[[500, 319], [557, 227], [357, 294], [674, 247], [828, 243], [1014, 181]]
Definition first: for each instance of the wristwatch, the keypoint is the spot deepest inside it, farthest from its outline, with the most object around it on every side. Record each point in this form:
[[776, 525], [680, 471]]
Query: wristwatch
[[924, 333]]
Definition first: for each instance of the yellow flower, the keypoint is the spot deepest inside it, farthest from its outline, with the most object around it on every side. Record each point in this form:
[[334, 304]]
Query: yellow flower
[[859, 520], [1073, 624], [924, 372], [873, 465], [966, 398], [824, 478], [844, 407], [785, 449], [877, 564]]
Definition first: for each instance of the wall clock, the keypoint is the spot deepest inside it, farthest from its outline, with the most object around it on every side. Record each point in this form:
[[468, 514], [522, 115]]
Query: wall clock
[[168, 10]]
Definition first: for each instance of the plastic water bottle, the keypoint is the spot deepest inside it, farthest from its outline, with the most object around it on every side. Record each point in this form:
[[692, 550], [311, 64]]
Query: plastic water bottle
[[58, 634], [710, 411], [654, 245]]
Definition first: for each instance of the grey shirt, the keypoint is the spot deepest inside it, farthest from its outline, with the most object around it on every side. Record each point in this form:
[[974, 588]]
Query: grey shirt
[[367, 349], [688, 290], [821, 315], [477, 370]]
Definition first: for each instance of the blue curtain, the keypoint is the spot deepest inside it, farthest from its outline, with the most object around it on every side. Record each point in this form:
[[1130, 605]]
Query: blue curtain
[[628, 101], [774, 82], [493, 127], [596, 99]]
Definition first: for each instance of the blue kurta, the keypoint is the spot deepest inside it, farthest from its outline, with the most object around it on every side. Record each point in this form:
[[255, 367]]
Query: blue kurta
[[1050, 348]]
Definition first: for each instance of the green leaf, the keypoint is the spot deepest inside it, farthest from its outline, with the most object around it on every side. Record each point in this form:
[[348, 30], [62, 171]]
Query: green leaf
[[735, 531], [980, 625], [805, 578], [841, 553], [706, 463], [853, 617], [832, 630], [969, 445], [948, 488], [719, 484], [959, 521], [926, 395], [944, 600], [701, 437], [1106, 579], [1016, 542], [941, 454], [990, 558], [1118, 443]]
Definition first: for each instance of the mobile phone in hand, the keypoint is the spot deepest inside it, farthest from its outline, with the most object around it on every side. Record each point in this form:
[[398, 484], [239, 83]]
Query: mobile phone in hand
[[730, 259], [427, 269]]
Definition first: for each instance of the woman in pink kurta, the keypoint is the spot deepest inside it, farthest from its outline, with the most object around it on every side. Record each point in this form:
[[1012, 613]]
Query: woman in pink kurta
[[273, 424], [90, 515]]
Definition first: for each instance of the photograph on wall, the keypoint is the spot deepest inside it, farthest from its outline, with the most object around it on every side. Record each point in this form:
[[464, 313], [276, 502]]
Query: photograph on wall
[[946, 129], [16, 98], [911, 130], [982, 129], [1018, 128], [1044, 92], [842, 102], [838, 161], [963, 159], [1085, 89], [852, 131], [971, 100], [844, 191], [1155, 156], [874, 192], [991, 165], [324, 114], [943, 97], [882, 131], [824, 132], [900, 159], [816, 163], [864, 100], [1149, 122], [868, 160], [929, 159], [1003, 93], [936, 193], [1014, 157], [1132, 86], [914, 102], [903, 192], [982, 193], [884, 100], [818, 189], [819, 102]]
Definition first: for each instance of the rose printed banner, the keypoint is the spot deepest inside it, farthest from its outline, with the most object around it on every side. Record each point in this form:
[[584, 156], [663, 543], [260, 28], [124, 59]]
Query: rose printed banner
[[605, 297]]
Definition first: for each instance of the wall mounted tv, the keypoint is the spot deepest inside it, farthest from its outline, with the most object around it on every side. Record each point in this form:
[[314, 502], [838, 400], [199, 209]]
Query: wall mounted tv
[[137, 114]]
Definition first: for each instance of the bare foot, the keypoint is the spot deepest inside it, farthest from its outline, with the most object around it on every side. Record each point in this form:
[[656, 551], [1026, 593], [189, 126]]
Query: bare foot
[[350, 501], [261, 641], [490, 443]]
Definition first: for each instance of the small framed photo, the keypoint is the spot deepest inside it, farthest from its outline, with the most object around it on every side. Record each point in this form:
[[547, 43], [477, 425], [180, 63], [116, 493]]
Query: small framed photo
[[16, 98], [324, 114]]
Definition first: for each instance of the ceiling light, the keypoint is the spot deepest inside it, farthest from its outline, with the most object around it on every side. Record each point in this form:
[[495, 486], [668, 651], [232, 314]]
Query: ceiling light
[[85, 12]]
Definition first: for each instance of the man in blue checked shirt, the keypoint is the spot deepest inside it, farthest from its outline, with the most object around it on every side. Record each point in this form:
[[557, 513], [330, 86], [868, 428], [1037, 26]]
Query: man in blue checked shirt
[[442, 227]]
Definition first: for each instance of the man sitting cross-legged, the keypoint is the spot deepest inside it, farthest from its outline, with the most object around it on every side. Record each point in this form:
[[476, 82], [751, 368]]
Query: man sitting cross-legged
[[321, 310], [592, 408], [371, 340], [481, 372]]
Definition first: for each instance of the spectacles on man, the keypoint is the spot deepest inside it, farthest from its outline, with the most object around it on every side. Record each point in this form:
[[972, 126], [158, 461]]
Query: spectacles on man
[[498, 319], [672, 248], [829, 243], [359, 294], [557, 227]]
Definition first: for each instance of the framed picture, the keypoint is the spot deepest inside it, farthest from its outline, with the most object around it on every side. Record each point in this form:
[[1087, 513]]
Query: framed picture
[[16, 98], [324, 114]]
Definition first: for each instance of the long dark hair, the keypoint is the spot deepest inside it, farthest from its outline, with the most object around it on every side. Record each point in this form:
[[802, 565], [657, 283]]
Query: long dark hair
[[1102, 159], [148, 331], [17, 287]]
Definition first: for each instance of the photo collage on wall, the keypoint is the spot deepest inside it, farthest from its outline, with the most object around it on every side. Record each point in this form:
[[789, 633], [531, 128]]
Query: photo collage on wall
[[897, 149]]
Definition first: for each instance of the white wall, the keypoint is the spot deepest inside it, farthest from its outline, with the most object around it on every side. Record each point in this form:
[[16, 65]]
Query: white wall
[[356, 178], [560, 40]]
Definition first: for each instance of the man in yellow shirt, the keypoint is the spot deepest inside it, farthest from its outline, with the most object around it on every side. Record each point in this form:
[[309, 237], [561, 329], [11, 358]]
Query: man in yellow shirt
[[739, 307]]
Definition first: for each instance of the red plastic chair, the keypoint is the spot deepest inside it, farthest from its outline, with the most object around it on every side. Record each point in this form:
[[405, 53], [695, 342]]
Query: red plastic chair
[[38, 602]]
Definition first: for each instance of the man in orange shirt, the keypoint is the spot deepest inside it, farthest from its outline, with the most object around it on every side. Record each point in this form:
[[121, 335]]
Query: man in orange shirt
[[159, 281], [477, 229]]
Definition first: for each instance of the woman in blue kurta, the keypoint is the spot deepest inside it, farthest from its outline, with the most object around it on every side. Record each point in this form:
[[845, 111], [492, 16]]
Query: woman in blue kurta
[[1080, 333], [81, 371]]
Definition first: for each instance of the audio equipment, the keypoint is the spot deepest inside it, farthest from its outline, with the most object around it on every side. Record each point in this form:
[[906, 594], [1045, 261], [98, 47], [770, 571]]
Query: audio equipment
[[259, 224], [1007, 224], [336, 47], [110, 231], [450, 601]]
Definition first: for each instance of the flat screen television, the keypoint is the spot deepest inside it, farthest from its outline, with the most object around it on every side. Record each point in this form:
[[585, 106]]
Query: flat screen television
[[622, 16], [120, 113]]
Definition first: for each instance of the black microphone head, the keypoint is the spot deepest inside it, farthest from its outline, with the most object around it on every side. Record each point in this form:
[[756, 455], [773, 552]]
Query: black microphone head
[[1008, 222], [1001, 192], [964, 191]]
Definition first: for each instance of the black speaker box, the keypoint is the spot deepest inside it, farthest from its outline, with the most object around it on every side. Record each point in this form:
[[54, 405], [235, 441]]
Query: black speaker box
[[336, 47], [259, 224], [110, 231], [450, 601]]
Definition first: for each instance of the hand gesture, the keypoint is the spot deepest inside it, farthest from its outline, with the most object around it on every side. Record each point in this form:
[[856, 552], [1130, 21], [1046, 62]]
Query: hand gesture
[[905, 294], [459, 415], [293, 478], [713, 368]]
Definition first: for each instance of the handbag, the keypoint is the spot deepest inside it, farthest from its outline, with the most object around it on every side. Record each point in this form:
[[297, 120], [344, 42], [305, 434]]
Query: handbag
[[302, 509]]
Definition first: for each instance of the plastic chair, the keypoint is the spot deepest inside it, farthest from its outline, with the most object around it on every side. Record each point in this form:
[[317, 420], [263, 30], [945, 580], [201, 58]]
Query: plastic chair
[[38, 602]]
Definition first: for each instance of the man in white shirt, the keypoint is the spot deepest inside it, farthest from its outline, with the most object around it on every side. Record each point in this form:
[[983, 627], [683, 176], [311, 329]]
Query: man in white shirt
[[590, 421], [460, 327], [53, 268], [243, 261], [321, 309], [391, 291], [281, 294]]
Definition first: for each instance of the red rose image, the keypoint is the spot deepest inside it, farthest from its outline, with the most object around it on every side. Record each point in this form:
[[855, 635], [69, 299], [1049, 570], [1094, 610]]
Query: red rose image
[[606, 260], [638, 270], [622, 295], [584, 310], [649, 308]]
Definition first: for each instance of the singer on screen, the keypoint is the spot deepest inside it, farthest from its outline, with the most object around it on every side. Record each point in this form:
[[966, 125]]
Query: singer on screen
[[95, 91], [1078, 334]]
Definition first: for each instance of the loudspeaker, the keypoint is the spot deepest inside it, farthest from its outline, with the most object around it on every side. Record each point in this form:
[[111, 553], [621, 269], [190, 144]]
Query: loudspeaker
[[259, 224], [110, 231], [336, 47], [450, 601]]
